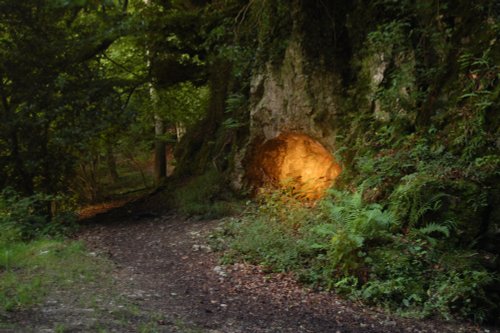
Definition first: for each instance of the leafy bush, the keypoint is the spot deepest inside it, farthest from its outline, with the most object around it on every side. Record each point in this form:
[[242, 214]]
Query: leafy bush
[[349, 226], [421, 273], [30, 217]]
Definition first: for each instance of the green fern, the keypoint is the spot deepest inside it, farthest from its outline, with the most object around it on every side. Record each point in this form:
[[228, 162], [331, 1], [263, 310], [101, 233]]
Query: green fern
[[350, 224], [433, 228], [417, 197]]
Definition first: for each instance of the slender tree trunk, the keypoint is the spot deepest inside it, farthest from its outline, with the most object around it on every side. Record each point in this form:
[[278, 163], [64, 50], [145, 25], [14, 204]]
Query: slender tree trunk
[[111, 162], [160, 151], [180, 130], [160, 148]]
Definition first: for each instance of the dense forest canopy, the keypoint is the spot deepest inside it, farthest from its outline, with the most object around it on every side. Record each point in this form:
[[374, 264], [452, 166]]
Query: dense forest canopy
[[75, 76], [404, 93]]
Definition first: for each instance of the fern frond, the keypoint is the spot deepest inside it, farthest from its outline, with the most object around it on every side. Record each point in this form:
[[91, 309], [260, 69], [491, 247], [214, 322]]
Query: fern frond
[[324, 229], [435, 228], [432, 204]]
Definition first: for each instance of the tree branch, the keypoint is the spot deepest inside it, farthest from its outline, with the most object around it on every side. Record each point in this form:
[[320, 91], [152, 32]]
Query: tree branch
[[120, 65], [100, 48]]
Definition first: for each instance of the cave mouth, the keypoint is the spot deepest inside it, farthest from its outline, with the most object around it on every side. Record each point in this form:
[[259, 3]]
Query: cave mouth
[[293, 161]]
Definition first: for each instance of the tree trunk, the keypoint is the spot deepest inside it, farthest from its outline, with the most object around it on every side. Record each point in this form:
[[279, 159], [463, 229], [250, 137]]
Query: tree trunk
[[160, 150], [111, 162]]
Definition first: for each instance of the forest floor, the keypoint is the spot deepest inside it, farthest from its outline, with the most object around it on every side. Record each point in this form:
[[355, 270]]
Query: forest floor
[[164, 277]]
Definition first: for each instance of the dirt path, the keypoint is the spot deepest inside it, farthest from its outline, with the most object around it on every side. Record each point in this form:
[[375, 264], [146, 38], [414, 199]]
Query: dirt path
[[166, 266], [172, 282]]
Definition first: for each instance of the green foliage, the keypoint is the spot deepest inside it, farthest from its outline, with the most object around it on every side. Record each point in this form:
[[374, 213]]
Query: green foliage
[[267, 243], [268, 234], [418, 120], [51, 116], [30, 270], [362, 250], [477, 101], [24, 218], [349, 226], [92, 67], [33, 259], [273, 22], [418, 124], [417, 197], [184, 103], [30, 267], [205, 196], [423, 199], [421, 273], [389, 34]]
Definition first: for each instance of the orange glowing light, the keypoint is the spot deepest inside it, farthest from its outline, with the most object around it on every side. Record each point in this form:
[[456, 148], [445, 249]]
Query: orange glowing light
[[297, 161]]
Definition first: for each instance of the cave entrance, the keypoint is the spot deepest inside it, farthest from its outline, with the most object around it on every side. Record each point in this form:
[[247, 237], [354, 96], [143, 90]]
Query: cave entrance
[[294, 161]]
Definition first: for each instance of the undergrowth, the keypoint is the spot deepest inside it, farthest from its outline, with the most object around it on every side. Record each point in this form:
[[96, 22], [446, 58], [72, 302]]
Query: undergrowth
[[205, 196], [34, 257], [366, 251], [30, 270]]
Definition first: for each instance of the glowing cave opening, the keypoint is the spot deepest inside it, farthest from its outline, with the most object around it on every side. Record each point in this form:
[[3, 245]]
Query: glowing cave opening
[[294, 161]]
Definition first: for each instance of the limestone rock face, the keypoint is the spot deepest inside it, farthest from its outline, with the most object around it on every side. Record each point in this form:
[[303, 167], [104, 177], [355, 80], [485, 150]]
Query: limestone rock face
[[290, 99], [293, 99]]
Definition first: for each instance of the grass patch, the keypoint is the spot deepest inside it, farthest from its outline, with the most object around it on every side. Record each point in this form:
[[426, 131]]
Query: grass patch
[[34, 257], [30, 270]]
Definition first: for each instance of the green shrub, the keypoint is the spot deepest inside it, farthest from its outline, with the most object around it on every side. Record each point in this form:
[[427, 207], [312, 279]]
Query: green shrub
[[462, 293], [30, 217], [421, 273], [423, 199], [349, 226], [265, 243]]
